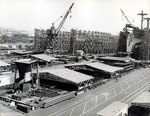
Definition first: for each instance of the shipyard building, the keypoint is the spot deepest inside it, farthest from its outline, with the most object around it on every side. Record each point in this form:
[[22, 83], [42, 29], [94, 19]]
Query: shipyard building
[[91, 42]]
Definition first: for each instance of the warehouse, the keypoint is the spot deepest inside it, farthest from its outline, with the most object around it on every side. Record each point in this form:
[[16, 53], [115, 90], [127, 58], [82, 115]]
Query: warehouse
[[140, 106], [64, 79]]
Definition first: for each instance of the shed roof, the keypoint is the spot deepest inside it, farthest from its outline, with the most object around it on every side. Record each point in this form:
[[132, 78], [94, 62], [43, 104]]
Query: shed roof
[[113, 109], [104, 67], [44, 57], [2, 63], [142, 100], [69, 75], [124, 59], [25, 61], [21, 52]]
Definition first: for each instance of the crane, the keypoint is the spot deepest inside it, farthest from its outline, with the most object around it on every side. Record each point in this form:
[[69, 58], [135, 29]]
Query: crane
[[130, 25], [125, 16], [52, 32], [63, 20]]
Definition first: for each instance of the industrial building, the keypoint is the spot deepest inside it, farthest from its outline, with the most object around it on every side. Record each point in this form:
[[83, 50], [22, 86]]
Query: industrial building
[[140, 106], [91, 42]]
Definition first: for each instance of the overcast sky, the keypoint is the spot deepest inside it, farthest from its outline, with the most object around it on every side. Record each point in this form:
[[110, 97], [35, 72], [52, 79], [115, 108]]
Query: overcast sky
[[94, 15]]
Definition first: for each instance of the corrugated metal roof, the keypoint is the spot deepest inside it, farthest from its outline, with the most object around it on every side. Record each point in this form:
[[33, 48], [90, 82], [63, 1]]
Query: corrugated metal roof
[[69, 75], [44, 57], [2, 63], [113, 109], [104, 67]]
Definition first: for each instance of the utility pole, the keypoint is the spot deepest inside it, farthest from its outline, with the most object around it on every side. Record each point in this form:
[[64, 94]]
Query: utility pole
[[142, 18], [147, 36]]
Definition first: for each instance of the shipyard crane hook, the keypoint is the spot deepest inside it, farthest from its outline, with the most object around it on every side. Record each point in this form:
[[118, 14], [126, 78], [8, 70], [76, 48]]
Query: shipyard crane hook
[[52, 32]]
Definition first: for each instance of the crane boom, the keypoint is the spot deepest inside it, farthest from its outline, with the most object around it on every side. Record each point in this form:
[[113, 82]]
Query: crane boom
[[52, 32], [63, 20], [125, 16]]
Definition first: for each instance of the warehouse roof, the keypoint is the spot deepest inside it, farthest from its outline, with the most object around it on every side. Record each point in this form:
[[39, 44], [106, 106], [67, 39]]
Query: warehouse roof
[[25, 61], [113, 109], [104, 67], [69, 75], [2, 63], [21, 52], [76, 64], [142, 100], [44, 57], [124, 59]]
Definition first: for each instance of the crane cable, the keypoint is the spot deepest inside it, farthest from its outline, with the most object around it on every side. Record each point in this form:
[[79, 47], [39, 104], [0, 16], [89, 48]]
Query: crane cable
[[123, 14], [57, 19]]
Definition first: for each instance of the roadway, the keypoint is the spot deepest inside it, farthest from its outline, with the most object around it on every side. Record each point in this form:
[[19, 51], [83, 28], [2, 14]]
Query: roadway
[[89, 103]]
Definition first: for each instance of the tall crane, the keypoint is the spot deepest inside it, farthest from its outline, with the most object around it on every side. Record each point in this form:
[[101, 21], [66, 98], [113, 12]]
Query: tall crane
[[52, 32], [64, 19]]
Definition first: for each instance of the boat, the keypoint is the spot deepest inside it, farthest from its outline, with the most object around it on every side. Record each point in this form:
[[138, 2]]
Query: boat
[[134, 42]]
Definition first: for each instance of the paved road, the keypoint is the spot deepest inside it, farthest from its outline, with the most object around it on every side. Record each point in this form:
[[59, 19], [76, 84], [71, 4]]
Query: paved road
[[89, 103]]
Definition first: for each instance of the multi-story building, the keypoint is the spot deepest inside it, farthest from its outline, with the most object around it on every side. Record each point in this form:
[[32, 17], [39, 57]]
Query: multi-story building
[[91, 42]]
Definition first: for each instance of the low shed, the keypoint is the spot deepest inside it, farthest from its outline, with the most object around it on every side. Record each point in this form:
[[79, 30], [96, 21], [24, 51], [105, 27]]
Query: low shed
[[114, 109]]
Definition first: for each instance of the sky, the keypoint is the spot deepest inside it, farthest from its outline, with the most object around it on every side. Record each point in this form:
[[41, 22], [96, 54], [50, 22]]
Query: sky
[[93, 15]]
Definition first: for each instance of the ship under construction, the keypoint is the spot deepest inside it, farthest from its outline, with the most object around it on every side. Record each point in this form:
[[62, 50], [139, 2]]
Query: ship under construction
[[134, 41]]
